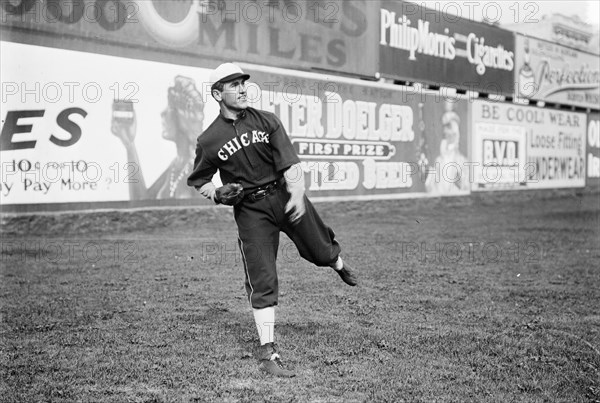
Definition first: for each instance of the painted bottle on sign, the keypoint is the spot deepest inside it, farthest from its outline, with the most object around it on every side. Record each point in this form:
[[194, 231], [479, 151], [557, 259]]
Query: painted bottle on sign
[[527, 86]]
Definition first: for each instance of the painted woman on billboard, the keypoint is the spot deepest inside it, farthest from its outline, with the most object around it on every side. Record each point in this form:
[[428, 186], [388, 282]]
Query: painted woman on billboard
[[451, 167], [181, 123]]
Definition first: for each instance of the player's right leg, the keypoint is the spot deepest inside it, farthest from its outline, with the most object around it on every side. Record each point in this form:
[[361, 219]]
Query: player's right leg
[[258, 238]]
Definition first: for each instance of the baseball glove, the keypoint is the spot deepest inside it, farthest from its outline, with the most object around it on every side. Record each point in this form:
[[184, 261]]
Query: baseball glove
[[229, 194]]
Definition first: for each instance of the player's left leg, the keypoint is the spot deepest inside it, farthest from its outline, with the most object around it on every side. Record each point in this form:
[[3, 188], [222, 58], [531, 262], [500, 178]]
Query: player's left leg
[[316, 242]]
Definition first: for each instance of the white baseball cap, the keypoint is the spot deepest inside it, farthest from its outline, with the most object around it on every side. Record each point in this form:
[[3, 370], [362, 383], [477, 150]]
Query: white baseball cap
[[227, 72]]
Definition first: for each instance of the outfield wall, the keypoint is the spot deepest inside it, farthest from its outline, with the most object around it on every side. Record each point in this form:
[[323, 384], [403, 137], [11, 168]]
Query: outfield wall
[[102, 110]]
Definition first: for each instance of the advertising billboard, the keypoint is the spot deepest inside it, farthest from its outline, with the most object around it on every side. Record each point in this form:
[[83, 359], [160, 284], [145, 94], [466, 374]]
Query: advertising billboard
[[417, 44], [77, 131], [523, 147], [368, 140], [332, 35], [554, 73]]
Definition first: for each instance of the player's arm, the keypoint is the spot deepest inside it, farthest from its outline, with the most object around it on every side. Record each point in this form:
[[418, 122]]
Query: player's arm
[[201, 179], [201, 176]]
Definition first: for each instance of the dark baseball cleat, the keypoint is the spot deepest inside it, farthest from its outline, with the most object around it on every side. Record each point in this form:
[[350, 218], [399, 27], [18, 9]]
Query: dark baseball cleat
[[270, 362], [348, 276]]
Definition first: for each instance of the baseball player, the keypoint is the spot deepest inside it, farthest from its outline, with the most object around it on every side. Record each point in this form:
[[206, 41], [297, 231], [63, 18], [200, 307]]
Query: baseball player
[[264, 183]]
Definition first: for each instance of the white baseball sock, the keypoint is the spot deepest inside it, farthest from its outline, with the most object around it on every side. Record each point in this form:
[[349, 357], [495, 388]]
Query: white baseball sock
[[339, 264], [265, 324]]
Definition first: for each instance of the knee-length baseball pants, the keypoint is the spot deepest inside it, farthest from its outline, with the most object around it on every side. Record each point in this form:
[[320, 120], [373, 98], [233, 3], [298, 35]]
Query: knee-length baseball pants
[[259, 224]]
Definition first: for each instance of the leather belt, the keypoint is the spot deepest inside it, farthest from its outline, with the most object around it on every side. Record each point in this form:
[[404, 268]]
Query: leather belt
[[263, 191]]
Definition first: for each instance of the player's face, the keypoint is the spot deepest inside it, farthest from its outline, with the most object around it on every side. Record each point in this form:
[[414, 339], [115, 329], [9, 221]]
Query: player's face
[[234, 95]]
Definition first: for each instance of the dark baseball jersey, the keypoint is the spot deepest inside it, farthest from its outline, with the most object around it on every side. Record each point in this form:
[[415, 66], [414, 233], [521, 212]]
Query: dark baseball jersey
[[252, 150]]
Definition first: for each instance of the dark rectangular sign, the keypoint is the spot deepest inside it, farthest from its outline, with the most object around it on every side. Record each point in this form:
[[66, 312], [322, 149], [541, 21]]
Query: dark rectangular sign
[[417, 44]]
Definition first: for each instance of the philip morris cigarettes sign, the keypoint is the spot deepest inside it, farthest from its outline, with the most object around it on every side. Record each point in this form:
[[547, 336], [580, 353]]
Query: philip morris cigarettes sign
[[422, 45]]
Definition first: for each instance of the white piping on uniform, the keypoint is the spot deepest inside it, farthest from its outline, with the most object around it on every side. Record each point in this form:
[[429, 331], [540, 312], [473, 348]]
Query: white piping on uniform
[[241, 243]]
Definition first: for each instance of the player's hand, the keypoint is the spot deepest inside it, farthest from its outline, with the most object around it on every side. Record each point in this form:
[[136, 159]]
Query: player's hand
[[295, 206], [294, 180], [229, 194]]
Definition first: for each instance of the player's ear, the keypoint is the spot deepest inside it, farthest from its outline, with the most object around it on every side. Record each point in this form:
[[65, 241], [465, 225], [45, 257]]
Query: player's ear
[[217, 95]]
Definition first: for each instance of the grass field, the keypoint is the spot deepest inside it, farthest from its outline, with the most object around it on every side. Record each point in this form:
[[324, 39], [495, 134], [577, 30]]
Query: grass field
[[459, 301]]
